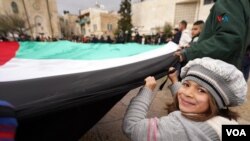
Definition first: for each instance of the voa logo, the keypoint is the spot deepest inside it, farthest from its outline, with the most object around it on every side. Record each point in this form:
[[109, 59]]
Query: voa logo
[[236, 132]]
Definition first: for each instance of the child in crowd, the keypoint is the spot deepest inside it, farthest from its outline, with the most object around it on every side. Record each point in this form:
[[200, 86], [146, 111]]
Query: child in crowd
[[8, 122], [200, 106]]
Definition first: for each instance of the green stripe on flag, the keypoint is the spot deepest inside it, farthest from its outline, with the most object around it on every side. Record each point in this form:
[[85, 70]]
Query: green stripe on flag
[[79, 51]]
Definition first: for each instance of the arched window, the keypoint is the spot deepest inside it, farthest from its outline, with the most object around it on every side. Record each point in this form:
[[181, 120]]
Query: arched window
[[14, 7]]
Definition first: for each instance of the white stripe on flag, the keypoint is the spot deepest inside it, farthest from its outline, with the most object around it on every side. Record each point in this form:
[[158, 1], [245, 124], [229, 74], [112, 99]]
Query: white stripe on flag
[[22, 69]]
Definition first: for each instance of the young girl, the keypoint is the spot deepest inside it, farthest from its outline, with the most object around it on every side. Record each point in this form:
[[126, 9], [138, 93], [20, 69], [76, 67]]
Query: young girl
[[201, 102]]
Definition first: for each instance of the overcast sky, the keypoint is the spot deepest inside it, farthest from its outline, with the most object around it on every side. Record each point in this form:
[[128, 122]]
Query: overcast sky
[[74, 5]]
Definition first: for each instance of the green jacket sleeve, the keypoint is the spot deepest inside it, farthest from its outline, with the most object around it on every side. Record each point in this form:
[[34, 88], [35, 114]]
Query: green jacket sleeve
[[224, 35]]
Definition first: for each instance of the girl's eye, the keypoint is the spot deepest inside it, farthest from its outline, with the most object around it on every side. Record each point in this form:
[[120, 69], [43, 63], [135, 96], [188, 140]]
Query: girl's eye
[[185, 84], [201, 90]]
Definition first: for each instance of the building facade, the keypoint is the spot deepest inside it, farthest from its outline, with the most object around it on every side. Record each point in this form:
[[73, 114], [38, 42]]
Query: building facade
[[98, 21], [160, 12], [69, 24], [41, 16]]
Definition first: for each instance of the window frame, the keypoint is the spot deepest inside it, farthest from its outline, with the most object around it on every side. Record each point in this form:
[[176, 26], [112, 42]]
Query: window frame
[[14, 7]]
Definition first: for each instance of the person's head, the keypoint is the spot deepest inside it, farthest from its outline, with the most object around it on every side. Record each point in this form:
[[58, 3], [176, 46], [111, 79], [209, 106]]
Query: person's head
[[208, 88], [175, 31], [197, 28], [182, 25]]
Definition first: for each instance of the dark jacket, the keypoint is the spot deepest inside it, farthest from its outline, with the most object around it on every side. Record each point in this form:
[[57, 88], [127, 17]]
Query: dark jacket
[[177, 37], [226, 33]]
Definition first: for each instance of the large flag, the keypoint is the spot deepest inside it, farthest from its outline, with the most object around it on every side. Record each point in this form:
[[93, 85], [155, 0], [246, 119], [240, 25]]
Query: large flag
[[64, 85]]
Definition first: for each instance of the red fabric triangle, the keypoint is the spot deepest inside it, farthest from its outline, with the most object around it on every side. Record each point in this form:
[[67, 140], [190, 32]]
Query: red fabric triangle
[[7, 51]]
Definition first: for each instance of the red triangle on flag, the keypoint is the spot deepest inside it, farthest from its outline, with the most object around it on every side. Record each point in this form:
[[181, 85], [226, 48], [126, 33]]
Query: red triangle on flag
[[7, 51]]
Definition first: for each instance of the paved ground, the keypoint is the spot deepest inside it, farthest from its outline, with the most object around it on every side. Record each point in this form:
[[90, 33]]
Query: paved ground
[[109, 127]]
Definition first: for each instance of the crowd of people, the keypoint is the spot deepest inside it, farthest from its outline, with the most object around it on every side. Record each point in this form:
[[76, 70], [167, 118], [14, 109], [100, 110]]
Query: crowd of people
[[159, 38]]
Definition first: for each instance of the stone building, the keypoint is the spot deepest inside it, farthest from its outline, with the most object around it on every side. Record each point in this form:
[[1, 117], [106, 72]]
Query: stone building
[[69, 24], [41, 16], [97, 21], [159, 12]]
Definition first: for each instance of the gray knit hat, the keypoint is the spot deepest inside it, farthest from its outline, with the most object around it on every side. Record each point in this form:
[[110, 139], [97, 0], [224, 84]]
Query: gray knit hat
[[224, 81]]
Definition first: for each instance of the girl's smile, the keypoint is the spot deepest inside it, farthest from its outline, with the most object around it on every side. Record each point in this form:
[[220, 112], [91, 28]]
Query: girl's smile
[[193, 98]]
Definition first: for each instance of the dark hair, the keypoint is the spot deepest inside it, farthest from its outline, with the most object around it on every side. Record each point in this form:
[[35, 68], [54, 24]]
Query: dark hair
[[199, 22], [211, 112], [176, 29], [183, 22]]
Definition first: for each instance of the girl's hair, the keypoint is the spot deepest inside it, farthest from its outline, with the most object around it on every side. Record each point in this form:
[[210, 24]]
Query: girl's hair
[[211, 112]]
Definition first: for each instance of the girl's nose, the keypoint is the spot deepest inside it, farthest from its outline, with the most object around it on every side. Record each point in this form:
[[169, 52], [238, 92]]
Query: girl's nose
[[189, 92]]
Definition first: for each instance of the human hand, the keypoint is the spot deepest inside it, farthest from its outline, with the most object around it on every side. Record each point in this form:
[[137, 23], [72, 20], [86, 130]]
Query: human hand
[[150, 82], [172, 74], [179, 54]]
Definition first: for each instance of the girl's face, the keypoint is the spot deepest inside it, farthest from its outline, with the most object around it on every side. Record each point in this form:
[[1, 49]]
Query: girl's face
[[193, 98]]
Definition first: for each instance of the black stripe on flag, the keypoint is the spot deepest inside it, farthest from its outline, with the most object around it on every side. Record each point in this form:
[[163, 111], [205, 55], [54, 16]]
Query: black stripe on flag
[[7, 112]]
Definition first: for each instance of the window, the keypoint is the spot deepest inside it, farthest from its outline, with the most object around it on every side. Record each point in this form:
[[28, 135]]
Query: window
[[109, 27], [14, 7], [185, 11], [208, 1]]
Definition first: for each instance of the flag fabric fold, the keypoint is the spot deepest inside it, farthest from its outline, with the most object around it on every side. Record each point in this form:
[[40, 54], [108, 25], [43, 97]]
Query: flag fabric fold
[[45, 80]]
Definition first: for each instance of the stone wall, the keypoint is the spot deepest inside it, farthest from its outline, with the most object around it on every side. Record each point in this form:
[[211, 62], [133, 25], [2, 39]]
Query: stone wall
[[147, 16], [41, 15], [204, 10], [71, 25], [110, 20], [99, 20]]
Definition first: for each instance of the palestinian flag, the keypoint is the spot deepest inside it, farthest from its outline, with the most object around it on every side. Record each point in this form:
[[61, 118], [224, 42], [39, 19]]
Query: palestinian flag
[[61, 89]]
